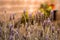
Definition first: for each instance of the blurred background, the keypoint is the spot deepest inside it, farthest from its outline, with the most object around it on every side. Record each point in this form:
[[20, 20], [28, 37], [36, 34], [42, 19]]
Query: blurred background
[[8, 7]]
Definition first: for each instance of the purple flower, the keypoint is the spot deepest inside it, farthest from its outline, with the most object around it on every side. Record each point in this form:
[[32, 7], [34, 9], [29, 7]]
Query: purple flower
[[11, 37], [47, 37], [12, 32], [10, 26]]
